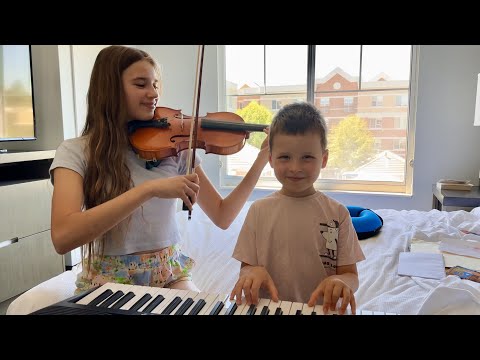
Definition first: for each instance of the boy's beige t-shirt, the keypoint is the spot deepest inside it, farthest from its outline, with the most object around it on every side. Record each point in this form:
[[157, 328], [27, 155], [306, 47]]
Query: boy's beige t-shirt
[[300, 241]]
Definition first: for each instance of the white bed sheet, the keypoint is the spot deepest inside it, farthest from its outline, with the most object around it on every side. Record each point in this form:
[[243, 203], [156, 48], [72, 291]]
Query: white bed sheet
[[381, 289]]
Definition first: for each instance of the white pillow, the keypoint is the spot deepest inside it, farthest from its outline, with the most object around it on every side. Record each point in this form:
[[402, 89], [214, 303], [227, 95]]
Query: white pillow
[[49, 292]]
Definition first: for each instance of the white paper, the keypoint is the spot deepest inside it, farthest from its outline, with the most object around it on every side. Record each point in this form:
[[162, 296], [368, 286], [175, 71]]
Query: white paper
[[461, 247], [450, 260], [425, 265]]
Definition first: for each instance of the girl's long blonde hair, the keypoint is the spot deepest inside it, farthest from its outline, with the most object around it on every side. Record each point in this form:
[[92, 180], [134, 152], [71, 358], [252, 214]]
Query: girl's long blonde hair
[[107, 175]]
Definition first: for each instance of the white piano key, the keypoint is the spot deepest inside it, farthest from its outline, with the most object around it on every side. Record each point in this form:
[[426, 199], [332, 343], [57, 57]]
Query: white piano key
[[240, 308], [307, 310], [243, 307], [207, 298], [221, 298], [211, 300], [273, 306], [189, 294], [227, 305], [330, 312], [169, 296], [200, 296], [366, 312], [154, 292], [139, 292], [318, 310], [261, 304], [285, 306], [181, 294], [95, 293], [295, 307], [125, 288]]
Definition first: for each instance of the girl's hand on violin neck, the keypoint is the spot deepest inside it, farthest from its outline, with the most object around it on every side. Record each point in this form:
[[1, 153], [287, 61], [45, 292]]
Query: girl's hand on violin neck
[[184, 187]]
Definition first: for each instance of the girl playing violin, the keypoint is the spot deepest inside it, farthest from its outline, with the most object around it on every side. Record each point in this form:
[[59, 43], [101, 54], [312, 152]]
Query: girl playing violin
[[106, 200]]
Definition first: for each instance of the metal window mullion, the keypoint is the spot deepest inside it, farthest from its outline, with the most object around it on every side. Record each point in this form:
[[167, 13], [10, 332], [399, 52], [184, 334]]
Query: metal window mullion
[[265, 69], [360, 69], [311, 74]]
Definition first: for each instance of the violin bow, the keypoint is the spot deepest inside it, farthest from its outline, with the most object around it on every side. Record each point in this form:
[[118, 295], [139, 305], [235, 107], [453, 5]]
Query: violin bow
[[192, 143]]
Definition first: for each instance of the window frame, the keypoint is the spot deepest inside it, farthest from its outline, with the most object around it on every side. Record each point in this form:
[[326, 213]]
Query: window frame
[[227, 182]]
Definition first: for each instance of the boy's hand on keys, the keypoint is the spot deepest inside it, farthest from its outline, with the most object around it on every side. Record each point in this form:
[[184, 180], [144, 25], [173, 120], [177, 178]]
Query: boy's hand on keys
[[332, 289]]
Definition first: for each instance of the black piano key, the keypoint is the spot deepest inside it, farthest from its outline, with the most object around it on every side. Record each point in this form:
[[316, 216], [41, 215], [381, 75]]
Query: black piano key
[[101, 297], [128, 296], [173, 304], [298, 312], [143, 300], [217, 308], [231, 310], [278, 311], [313, 313], [118, 294], [153, 304], [265, 311], [184, 307], [251, 310], [198, 307]]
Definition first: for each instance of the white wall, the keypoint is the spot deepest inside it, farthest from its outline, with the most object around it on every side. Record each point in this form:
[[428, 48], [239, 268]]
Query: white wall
[[83, 58], [447, 143]]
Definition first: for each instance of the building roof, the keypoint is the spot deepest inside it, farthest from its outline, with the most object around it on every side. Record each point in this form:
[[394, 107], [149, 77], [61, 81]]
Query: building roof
[[385, 166]]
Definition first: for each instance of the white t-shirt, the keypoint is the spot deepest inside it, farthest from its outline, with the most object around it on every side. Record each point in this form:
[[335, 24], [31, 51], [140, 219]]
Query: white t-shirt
[[300, 241], [153, 225]]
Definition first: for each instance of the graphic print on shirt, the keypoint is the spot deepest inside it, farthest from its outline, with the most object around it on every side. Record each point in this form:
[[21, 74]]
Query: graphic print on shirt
[[329, 232]]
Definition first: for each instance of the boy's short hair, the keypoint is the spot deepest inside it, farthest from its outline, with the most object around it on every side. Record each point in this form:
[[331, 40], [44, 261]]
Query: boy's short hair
[[298, 118]]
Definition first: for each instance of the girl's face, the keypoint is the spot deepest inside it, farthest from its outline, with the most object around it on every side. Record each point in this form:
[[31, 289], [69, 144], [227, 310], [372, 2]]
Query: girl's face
[[140, 84], [297, 161]]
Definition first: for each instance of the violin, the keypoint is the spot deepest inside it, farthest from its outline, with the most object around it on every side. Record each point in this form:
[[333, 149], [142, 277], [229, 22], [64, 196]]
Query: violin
[[168, 133]]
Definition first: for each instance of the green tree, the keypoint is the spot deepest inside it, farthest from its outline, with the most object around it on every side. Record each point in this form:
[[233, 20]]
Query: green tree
[[17, 88], [350, 144], [254, 113]]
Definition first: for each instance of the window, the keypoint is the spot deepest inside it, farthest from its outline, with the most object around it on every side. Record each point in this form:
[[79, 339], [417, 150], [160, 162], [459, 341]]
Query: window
[[400, 122], [399, 144], [348, 101], [324, 104], [375, 123], [377, 100], [401, 100], [364, 92]]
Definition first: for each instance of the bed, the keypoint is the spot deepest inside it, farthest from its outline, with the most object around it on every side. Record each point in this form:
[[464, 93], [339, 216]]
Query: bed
[[381, 289]]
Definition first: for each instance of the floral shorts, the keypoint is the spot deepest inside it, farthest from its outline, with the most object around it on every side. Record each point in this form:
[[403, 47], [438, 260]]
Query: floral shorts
[[161, 269]]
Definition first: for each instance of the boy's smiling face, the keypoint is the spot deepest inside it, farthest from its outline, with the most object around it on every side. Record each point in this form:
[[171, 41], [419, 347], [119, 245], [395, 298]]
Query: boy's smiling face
[[297, 161]]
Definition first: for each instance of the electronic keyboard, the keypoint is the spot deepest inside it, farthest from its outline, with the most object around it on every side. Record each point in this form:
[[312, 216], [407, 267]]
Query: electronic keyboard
[[121, 299]]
